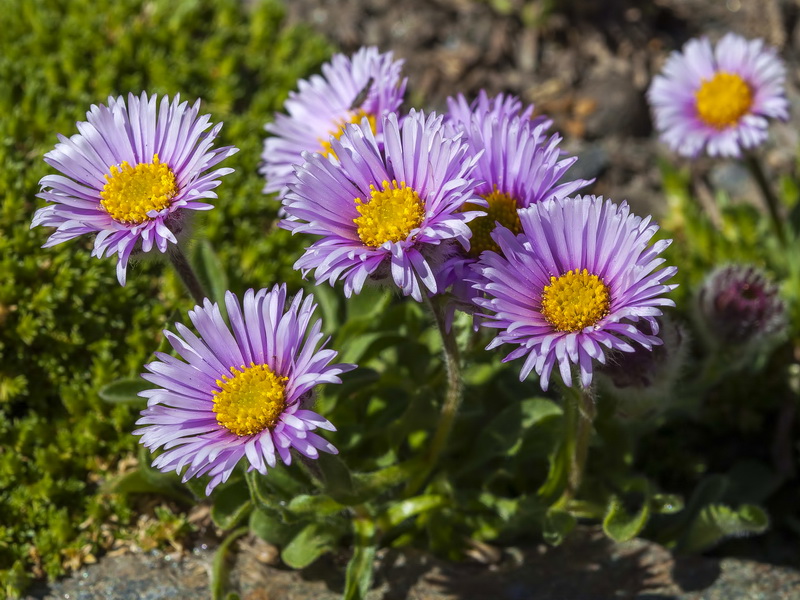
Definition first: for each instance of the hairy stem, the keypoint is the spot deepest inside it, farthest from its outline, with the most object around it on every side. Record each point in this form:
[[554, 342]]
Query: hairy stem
[[580, 411], [768, 194], [452, 400], [187, 274]]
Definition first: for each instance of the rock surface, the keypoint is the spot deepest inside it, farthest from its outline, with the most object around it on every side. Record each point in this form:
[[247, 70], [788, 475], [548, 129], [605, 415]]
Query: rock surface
[[586, 567]]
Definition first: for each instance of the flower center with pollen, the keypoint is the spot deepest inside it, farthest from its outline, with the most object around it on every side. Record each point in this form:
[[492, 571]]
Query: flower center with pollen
[[132, 192], [723, 100], [575, 300], [502, 209], [327, 149], [251, 400], [390, 215]]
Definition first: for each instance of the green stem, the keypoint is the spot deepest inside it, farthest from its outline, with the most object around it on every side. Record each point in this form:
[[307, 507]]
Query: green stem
[[579, 414], [770, 198], [452, 400], [187, 274]]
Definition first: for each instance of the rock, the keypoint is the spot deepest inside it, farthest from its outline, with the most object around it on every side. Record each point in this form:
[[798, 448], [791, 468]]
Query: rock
[[586, 567]]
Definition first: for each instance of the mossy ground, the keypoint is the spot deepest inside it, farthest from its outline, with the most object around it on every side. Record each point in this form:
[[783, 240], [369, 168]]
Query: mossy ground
[[66, 327]]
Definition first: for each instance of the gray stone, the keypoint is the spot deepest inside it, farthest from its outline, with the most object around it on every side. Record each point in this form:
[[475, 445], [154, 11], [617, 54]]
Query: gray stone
[[586, 567]]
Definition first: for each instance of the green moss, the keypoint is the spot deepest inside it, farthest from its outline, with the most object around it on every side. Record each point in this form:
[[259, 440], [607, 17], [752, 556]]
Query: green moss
[[66, 326]]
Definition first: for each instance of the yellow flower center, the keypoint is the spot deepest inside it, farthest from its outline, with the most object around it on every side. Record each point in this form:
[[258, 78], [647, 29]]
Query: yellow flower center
[[327, 149], [390, 215], [575, 300], [251, 400], [723, 100], [131, 192], [502, 209]]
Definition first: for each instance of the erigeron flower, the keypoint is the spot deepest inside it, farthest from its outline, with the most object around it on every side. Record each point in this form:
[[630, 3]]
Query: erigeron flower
[[718, 99], [519, 164], [368, 85], [386, 210], [239, 392], [579, 280], [129, 175]]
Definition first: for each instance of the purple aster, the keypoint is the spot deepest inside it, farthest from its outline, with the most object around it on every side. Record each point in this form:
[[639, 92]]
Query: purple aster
[[368, 85], [391, 209], [129, 174], [519, 164], [579, 278], [460, 112], [240, 391], [718, 99]]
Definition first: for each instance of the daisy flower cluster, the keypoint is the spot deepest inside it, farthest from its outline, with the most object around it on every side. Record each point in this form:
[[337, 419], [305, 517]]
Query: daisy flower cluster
[[475, 204]]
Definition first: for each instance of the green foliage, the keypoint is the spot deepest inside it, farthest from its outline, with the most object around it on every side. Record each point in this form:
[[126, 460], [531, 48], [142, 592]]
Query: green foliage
[[66, 326]]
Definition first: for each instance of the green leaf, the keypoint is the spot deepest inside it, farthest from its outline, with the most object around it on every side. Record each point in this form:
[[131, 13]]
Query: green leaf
[[666, 504], [503, 433], [270, 527], [359, 570], [338, 481], [219, 569], [313, 541], [405, 509], [329, 301], [718, 521], [618, 523], [210, 272], [314, 505], [140, 481], [369, 485], [125, 390], [556, 526], [231, 505]]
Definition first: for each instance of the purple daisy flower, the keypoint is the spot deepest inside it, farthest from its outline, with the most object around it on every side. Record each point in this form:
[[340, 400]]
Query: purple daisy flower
[[239, 394], [718, 99], [580, 277], [129, 174], [382, 210], [460, 112], [366, 86], [518, 165]]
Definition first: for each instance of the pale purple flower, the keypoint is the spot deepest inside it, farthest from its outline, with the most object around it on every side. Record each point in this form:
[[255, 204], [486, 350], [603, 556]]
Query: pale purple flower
[[719, 99], [460, 111], [519, 164], [579, 281], [129, 174], [240, 392], [349, 89], [384, 210]]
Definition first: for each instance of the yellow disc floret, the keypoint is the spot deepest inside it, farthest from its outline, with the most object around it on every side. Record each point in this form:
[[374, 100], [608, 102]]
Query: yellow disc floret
[[131, 192], [575, 300], [390, 215], [327, 149], [723, 100], [251, 400], [502, 209]]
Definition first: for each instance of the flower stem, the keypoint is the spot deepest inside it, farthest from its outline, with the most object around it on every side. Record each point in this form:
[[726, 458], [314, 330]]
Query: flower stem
[[187, 274], [580, 411], [768, 194], [452, 400]]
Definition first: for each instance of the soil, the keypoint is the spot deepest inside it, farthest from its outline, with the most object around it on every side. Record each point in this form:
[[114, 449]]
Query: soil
[[584, 63]]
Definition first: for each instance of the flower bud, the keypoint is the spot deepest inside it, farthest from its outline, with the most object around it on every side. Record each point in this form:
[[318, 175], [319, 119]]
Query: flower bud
[[740, 305]]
